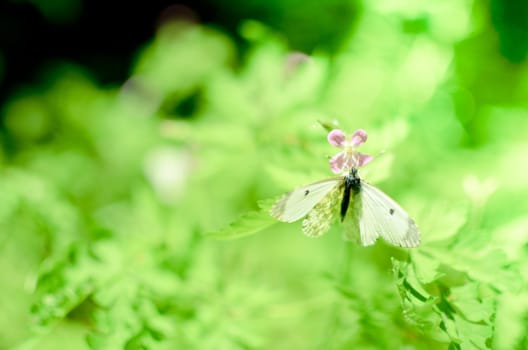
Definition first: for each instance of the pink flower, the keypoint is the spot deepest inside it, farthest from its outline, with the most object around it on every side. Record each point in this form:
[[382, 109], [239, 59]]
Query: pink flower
[[348, 158]]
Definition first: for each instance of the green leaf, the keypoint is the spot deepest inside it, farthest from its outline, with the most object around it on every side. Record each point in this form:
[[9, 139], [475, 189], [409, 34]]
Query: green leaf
[[491, 267], [248, 224]]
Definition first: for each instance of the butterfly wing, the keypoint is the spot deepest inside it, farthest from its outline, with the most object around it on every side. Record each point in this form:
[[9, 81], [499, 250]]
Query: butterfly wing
[[382, 216], [297, 203], [350, 223], [320, 218]]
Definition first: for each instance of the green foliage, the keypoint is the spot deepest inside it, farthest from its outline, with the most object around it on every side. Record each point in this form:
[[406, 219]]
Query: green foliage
[[248, 224], [120, 207]]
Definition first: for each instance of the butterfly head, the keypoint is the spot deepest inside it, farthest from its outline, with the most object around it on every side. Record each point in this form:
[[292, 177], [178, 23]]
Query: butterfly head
[[352, 180]]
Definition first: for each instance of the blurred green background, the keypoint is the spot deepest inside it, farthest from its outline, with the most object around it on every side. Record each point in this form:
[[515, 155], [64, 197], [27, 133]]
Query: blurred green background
[[138, 143]]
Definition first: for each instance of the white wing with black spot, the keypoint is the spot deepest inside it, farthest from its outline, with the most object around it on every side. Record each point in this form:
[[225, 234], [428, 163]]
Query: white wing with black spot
[[382, 216], [297, 203]]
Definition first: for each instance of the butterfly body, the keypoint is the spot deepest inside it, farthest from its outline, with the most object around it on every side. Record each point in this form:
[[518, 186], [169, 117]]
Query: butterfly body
[[366, 212], [352, 184]]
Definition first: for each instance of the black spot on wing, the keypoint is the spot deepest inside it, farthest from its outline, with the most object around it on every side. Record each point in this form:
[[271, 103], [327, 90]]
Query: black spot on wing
[[391, 211], [306, 192]]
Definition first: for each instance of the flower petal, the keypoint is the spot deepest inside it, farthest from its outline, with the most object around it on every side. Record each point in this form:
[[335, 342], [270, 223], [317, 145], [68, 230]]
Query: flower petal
[[359, 137], [336, 138], [337, 162], [363, 159]]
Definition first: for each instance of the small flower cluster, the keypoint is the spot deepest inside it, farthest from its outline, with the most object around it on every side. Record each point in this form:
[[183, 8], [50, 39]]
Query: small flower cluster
[[349, 157]]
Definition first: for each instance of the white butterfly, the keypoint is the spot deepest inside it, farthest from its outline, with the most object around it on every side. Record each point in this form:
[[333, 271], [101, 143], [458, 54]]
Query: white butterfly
[[366, 212]]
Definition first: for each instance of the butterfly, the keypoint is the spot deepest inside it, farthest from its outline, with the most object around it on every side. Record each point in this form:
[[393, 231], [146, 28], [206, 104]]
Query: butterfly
[[365, 212]]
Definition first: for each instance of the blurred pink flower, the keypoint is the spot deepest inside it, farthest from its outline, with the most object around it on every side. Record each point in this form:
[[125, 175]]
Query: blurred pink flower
[[348, 158]]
